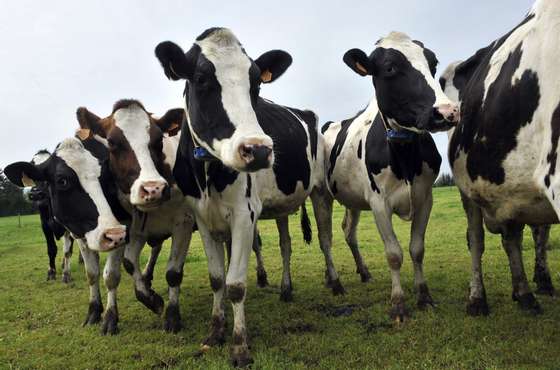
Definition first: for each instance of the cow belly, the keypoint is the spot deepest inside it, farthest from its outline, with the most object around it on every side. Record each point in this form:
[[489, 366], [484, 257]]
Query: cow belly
[[275, 202], [347, 186]]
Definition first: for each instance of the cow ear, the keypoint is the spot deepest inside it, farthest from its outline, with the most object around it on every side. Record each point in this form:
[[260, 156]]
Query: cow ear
[[273, 64], [175, 63], [171, 121], [358, 61], [23, 174], [89, 121]]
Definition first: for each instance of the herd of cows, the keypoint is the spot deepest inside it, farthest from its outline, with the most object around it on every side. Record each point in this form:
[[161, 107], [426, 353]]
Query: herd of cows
[[231, 157]]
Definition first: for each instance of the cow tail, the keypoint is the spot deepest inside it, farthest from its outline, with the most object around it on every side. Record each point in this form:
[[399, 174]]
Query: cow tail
[[305, 225]]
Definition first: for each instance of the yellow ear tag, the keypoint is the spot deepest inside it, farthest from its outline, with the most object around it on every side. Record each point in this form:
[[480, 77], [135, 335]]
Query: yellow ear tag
[[26, 181], [361, 68], [266, 76], [83, 133]]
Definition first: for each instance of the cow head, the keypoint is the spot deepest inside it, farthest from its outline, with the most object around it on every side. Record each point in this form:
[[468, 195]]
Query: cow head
[[223, 85], [135, 142], [77, 191], [407, 93]]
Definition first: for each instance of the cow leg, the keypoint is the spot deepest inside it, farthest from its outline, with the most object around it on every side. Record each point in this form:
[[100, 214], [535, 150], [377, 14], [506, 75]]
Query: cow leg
[[512, 236], [144, 293], [51, 250], [67, 249], [262, 279], [322, 206], [91, 264], [181, 240], [216, 270], [286, 251], [349, 226], [148, 273], [394, 255], [112, 278], [478, 304], [541, 275], [242, 234], [416, 248]]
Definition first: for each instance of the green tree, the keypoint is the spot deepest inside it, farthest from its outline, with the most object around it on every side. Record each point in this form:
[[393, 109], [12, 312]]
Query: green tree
[[12, 200]]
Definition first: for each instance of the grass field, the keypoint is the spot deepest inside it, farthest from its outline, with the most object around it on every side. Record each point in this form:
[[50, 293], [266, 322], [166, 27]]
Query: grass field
[[40, 321]]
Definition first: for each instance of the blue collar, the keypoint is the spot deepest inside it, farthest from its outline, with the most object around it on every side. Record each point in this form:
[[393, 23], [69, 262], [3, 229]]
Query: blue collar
[[400, 136], [202, 154]]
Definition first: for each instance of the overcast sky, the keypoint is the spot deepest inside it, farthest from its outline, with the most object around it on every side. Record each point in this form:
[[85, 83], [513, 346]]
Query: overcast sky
[[58, 55]]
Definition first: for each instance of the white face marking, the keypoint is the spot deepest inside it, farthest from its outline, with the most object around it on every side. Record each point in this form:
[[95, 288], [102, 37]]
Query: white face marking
[[40, 158], [135, 125], [88, 170], [232, 72], [415, 55]]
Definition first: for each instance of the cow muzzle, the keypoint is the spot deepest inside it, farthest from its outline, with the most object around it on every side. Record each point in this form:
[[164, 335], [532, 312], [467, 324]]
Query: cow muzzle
[[152, 193], [256, 157], [112, 238], [447, 112], [444, 117]]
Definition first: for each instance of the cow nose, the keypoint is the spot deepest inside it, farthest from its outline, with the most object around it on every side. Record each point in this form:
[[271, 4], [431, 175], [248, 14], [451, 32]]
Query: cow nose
[[112, 238], [151, 191], [449, 112], [256, 157]]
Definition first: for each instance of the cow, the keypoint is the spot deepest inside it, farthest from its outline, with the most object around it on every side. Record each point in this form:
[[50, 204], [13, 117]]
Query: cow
[[541, 275], [83, 201], [503, 153], [141, 166], [52, 230], [384, 160], [241, 157]]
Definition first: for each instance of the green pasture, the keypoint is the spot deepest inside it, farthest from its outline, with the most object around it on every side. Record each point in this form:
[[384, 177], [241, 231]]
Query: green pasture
[[41, 322]]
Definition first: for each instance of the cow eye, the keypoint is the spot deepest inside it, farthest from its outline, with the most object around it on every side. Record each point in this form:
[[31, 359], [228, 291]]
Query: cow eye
[[62, 183], [390, 69]]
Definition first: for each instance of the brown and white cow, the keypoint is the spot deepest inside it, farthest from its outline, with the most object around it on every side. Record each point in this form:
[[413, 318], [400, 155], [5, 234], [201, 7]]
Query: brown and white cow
[[141, 154]]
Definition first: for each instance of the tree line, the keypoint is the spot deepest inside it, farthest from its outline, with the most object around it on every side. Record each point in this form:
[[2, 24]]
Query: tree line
[[12, 199]]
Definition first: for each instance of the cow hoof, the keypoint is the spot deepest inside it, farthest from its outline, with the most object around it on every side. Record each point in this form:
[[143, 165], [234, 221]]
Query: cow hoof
[[172, 319], [152, 300], [528, 302], [217, 335], [262, 279], [365, 275], [51, 274], [66, 278], [425, 300], [94, 313], [337, 288], [399, 313], [110, 321], [240, 356], [478, 307], [286, 294], [544, 283]]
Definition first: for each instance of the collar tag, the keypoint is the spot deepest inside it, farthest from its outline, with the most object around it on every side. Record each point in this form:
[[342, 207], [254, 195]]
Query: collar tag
[[201, 154], [400, 136]]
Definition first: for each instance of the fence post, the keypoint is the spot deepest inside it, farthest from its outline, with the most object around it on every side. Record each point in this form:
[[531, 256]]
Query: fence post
[[19, 219]]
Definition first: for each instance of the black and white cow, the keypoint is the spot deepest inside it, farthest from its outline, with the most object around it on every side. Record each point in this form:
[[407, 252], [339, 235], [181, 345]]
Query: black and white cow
[[384, 160], [83, 200], [452, 87], [52, 230], [230, 132], [141, 159], [504, 151]]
